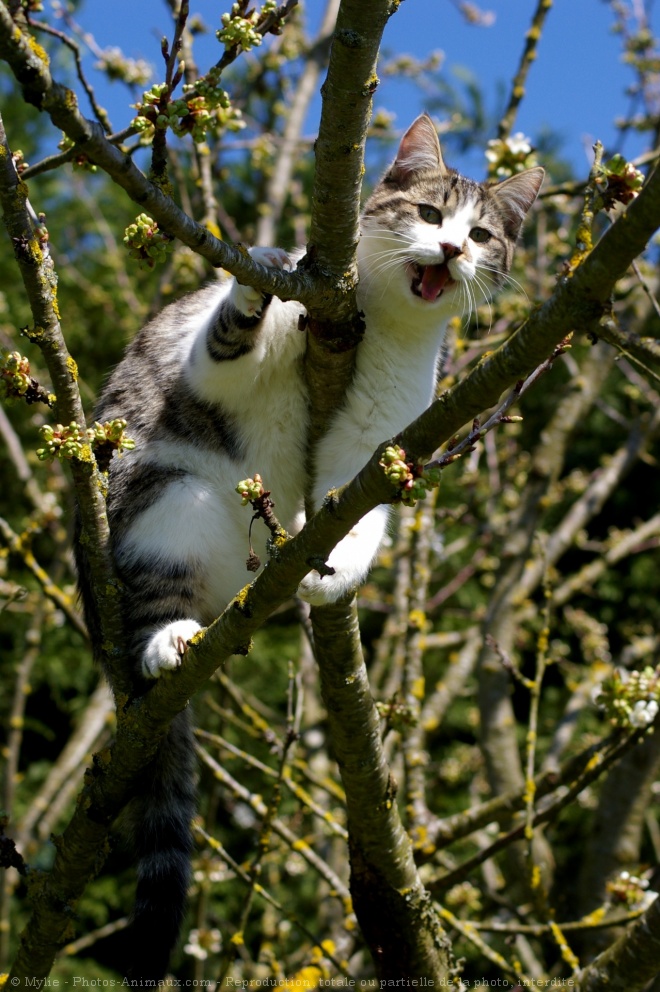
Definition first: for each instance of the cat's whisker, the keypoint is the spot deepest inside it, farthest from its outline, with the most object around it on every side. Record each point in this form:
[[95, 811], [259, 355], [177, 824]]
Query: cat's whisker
[[471, 307], [385, 232], [486, 291], [386, 262], [505, 278]]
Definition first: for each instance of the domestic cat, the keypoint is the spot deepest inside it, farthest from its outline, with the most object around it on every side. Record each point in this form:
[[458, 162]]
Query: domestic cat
[[213, 392]]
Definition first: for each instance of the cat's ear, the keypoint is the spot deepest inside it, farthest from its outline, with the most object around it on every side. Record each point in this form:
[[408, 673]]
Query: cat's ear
[[419, 150], [516, 195]]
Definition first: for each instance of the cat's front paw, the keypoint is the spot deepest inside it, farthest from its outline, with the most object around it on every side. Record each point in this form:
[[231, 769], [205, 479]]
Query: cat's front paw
[[248, 299], [165, 649], [348, 563]]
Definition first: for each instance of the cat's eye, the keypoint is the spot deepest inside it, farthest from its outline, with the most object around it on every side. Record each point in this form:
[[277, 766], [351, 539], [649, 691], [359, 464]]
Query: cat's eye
[[430, 214], [480, 235]]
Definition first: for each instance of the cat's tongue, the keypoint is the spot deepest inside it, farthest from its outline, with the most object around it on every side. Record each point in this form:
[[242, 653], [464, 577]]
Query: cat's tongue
[[434, 278]]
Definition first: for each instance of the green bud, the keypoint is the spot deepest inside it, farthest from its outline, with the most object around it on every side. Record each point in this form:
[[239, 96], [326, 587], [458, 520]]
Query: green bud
[[250, 489]]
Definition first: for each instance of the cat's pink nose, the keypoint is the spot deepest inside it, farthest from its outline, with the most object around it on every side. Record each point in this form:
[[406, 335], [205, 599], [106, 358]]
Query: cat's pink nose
[[449, 250]]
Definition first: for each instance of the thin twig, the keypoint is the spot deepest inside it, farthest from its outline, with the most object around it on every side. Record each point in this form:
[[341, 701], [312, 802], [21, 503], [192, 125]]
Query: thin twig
[[287, 781], [594, 769], [529, 54], [456, 448], [100, 113], [18, 545], [263, 844], [595, 921], [12, 751], [338, 888], [647, 289], [263, 893]]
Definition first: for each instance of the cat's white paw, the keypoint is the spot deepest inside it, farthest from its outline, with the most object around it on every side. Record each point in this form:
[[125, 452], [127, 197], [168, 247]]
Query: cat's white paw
[[165, 649], [320, 590], [349, 561], [248, 299]]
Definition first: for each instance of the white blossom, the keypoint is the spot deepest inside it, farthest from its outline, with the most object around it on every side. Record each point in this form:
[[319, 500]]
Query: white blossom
[[201, 943], [519, 144], [644, 713]]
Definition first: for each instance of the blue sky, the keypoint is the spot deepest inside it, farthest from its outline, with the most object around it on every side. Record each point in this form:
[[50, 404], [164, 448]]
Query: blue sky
[[576, 87]]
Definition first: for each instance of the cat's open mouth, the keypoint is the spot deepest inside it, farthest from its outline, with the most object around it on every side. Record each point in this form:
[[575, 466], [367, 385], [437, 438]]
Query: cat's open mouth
[[430, 281]]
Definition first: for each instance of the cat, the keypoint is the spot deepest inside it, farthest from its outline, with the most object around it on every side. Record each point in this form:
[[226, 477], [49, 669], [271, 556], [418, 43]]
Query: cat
[[213, 392]]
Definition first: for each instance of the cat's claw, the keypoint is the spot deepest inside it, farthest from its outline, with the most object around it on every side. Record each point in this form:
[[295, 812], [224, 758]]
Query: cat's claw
[[165, 649], [248, 299], [318, 590], [272, 258]]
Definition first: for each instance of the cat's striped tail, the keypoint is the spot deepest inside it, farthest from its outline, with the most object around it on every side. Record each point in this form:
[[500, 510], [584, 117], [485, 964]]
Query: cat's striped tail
[[160, 821]]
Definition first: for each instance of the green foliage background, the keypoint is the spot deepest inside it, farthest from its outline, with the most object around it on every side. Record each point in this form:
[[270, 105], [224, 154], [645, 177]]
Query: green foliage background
[[613, 620]]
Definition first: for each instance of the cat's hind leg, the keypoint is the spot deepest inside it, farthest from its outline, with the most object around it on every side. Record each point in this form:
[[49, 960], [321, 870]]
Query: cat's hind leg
[[179, 569]]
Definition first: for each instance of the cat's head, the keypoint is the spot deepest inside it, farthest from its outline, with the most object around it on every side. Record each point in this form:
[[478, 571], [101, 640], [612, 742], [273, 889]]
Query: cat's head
[[432, 240]]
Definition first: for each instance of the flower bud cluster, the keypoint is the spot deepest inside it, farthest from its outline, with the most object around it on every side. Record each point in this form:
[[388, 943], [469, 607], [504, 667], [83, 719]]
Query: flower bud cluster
[[66, 443], [250, 489], [413, 481], [630, 699], [203, 942], [239, 30], [16, 382], [631, 890], [148, 107], [62, 442], [146, 241], [14, 374], [134, 72], [210, 108], [205, 106], [510, 155], [156, 109], [19, 160], [464, 896], [398, 714], [618, 182]]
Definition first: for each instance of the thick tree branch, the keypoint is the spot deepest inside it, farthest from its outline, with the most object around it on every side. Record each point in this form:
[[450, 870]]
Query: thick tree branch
[[402, 931], [32, 255], [630, 963], [346, 111]]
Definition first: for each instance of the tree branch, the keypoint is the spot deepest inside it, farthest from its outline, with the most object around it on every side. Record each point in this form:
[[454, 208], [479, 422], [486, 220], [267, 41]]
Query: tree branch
[[630, 963], [32, 253], [279, 182], [29, 65], [388, 896], [532, 39]]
